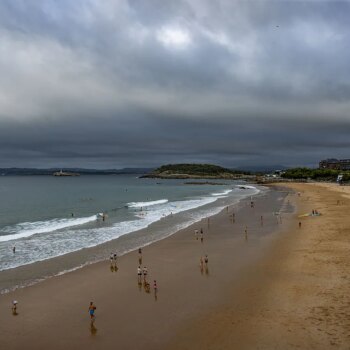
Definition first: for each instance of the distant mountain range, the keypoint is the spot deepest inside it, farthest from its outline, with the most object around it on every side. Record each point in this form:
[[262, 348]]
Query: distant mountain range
[[50, 171]]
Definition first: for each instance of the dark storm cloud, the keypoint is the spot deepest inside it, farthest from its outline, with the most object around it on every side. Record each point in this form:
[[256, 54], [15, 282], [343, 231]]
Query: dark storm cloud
[[126, 83]]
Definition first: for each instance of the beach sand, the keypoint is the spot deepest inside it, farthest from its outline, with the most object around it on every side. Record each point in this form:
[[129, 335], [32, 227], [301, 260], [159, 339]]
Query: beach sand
[[280, 287], [298, 295]]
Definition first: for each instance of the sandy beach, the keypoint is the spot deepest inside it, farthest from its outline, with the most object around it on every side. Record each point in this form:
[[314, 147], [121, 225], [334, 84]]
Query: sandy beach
[[297, 296], [276, 287]]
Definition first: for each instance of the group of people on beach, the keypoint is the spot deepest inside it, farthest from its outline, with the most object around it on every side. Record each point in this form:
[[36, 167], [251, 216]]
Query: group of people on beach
[[142, 274], [203, 261], [196, 234]]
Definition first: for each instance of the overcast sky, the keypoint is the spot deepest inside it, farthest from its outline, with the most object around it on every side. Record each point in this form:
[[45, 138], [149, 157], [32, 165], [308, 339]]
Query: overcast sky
[[108, 84]]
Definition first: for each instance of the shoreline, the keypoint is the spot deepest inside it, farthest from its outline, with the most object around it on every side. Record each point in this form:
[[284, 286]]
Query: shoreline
[[177, 254], [298, 294], [100, 252]]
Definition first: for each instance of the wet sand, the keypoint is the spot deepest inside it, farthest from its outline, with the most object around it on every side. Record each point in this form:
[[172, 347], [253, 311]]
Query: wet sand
[[280, 287], [298, 295], [54, 314]]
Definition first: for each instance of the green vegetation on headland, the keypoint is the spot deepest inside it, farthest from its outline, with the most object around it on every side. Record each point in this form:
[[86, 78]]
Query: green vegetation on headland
[[195, 171], [315, 174]]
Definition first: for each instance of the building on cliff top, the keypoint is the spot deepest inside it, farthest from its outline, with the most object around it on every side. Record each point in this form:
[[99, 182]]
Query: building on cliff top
[[337, 164]]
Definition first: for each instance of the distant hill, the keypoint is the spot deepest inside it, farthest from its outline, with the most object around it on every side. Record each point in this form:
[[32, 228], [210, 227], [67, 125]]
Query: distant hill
[[51, 171], [195, 171], [264, 169]]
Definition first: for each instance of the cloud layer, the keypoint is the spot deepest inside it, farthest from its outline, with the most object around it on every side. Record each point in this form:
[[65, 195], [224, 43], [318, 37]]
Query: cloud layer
[[124, 83]]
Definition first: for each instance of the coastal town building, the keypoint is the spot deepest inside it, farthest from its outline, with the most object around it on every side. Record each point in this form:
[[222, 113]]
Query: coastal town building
[[337, 164]]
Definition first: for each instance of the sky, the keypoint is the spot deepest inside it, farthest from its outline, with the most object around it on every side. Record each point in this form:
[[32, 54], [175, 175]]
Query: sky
[[112, 84]]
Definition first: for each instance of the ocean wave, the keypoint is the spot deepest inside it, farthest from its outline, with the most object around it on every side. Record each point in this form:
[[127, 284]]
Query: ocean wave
[[247, 187], [63, 242], [44, 246], [146, 204], [27, 229], [221, 193]]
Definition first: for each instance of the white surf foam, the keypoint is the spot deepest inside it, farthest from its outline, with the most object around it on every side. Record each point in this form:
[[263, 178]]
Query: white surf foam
[[40, 247], [27, 229], [246, 187], [57, 243], [221, 193], [146, 204]]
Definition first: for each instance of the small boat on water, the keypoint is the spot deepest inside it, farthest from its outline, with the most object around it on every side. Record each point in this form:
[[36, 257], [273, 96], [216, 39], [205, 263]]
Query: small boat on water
[[62, 173]]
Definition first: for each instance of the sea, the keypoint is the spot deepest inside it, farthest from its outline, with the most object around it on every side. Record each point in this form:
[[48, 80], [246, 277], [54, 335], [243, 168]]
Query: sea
[[82, 219]]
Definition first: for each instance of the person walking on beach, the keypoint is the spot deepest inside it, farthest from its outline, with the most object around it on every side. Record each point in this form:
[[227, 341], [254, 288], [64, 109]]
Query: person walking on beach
[[139, 274], [202, 237], [196, 234], [145, 273], [206, 260], [155, 289], [92, 309], [299, 224], [14, 307], [140, 256], [111, 259], [115, 257]]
